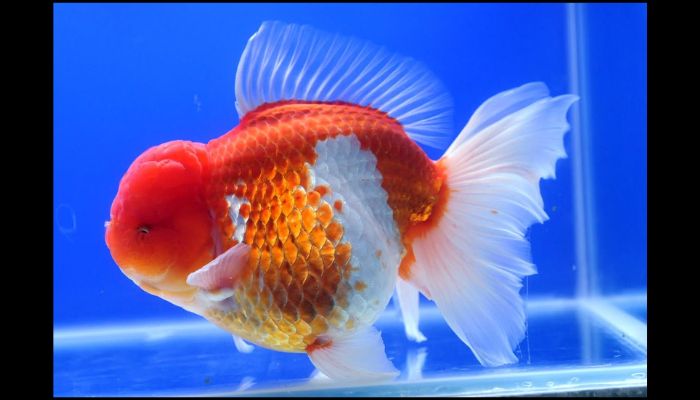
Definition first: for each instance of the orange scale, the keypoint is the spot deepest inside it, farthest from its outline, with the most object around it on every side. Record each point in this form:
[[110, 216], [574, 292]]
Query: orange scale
[[343, 252], [265, 260], [275, 210], [318, 236], [269, 327], [282, 229], [322, 190], [268, 170], [228, 227], [249, 235], [297, 159], [342, 299], [308, 218], [293, 179], [309, 155], [323, 304], [311, 282], [319, 325], [294, 222], [286, 328], [250, 192], [279, 183], [299, 196], [244, 210], [297, 141], [315, 262], [337, 316], [325, 214], [300, 270], [327, 254], [290, 312], [265, 215], [286, 277], [277, 257], [331, 278], [259, 239], [255, 216], [271, 233], [310, 340], [294, 293], [303, 243], [274, 313], [307, 313], [280, 337], [334, 231], [287, 203], [271, 278], [282, 164], [254, 257], [259, 194], [290, 251]]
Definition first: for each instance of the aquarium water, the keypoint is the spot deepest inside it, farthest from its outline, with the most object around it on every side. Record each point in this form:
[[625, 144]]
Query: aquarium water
[[131, 76]]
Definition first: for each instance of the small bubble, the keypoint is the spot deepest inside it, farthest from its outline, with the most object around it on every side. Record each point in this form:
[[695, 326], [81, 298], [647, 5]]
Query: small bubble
[[527, 384], [573, 267], [573, 380]]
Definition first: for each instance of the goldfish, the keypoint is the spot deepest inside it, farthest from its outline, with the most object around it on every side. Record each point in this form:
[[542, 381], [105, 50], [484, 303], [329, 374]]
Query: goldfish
[[294, 230]]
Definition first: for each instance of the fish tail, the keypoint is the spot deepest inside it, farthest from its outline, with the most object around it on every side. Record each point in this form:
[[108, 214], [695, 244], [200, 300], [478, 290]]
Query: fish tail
[[470, 257]]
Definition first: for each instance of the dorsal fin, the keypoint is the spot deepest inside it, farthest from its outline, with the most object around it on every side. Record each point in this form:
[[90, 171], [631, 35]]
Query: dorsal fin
[[293, 62]]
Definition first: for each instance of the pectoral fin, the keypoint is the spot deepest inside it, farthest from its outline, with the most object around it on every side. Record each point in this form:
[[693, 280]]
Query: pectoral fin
[[223, 272]]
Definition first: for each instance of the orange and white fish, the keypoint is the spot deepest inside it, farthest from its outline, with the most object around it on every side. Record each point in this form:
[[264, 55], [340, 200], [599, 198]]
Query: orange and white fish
[[293, 230]]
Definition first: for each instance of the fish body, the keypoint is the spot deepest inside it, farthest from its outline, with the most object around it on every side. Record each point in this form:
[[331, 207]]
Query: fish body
[[298, 179], [294, 229]]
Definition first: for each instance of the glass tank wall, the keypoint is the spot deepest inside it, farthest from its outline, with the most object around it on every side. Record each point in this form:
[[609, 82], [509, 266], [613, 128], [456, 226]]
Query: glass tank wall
[[131, 76]]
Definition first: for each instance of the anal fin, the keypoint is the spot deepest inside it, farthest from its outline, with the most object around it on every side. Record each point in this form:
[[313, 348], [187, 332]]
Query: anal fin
[[357, 357]]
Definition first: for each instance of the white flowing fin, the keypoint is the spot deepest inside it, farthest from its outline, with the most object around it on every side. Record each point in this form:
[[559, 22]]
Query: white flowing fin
[[498, 107], [242, 346], [356, 357], [473, 261], [296, 62], [407, 299]]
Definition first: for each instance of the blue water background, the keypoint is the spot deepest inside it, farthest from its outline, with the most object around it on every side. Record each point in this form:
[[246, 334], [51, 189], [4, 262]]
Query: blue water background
[[131, 76]]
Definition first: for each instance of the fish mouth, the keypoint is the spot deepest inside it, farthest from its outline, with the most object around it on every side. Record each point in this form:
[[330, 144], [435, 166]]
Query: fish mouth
[[139, 278]]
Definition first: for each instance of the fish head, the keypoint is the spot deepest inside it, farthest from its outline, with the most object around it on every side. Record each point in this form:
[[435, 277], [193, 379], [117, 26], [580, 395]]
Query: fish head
[[160, 228]]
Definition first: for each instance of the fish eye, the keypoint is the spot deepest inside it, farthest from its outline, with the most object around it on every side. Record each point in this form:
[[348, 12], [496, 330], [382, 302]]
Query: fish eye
[[143, 229]]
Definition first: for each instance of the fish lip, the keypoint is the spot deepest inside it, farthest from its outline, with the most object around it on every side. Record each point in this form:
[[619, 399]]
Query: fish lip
[[138, 278]]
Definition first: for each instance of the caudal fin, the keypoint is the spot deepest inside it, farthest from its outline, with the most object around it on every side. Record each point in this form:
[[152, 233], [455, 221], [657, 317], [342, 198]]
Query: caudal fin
[[471, 263]]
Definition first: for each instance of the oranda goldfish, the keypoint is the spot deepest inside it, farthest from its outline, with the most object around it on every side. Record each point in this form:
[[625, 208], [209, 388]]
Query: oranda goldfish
[[293, 230]]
